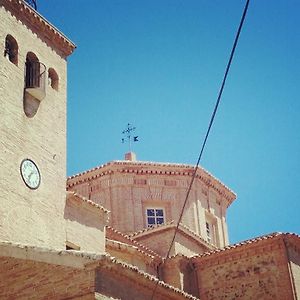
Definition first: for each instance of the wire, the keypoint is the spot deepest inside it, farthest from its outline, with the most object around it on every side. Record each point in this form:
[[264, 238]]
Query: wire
[[208, 131]]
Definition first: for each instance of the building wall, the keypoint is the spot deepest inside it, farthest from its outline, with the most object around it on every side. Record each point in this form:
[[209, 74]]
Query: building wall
[[258, 272], [294, 261], [130, 255], [85, 226], [26, 279], [128, 190], [160, 243], [27, 216], [178, 272]]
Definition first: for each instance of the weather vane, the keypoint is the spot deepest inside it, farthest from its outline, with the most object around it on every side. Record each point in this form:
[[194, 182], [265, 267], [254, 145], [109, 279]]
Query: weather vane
[[32, 3], [127, 135]]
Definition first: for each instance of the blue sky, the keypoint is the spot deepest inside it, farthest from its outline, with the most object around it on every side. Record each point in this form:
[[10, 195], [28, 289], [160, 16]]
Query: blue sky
[[158, 64]]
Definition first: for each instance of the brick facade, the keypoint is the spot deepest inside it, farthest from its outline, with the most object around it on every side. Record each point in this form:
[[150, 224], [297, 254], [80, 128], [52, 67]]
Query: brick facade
[[27, 216], [128, 188]]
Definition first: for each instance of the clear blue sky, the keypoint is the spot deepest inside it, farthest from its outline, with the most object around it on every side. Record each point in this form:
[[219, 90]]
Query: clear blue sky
[[158, 64]]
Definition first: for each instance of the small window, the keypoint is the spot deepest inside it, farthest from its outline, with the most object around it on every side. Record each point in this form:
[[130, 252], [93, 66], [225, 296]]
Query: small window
[[53, 79], [208, 232], [155, 216], [11, 49]]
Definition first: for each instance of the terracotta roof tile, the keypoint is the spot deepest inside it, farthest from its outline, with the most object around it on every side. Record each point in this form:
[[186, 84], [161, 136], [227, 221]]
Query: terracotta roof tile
[[127, 239], [171, 225], [247, 242]]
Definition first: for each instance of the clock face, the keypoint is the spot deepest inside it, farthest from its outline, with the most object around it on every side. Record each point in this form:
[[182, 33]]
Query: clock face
[[30, 174]]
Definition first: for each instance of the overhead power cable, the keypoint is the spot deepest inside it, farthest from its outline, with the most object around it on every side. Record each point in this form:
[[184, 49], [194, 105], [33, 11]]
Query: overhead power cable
[[208, 130]]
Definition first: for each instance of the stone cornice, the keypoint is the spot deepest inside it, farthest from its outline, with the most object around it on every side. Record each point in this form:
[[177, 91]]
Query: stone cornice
[[153, 168], [39, 25]]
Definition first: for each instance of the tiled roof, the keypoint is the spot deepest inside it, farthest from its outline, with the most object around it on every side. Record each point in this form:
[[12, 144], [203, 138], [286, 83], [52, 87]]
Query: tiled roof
[[123, 246], [247, 242], [80, 259], [146, 276], [78, 197], [187, 170], [171, 225], [112, 232]]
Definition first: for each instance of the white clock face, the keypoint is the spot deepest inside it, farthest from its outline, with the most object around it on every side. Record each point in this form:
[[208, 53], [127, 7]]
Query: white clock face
[[30, 174]]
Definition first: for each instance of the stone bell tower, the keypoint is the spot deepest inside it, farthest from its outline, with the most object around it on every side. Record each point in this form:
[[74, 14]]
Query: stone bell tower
[[33, 76]]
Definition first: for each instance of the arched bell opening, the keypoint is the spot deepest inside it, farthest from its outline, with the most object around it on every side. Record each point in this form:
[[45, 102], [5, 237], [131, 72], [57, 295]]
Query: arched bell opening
[[35, 87]]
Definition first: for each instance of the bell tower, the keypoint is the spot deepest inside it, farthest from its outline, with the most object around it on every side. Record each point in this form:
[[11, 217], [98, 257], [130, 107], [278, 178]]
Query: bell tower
[[33, 76]]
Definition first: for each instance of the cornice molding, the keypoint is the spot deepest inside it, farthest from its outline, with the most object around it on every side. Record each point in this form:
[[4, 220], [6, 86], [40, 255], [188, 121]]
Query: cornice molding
[[153, 168], [39, 25]]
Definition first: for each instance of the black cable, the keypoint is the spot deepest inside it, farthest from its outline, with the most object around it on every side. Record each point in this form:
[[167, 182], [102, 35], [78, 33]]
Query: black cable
[[208, 130]]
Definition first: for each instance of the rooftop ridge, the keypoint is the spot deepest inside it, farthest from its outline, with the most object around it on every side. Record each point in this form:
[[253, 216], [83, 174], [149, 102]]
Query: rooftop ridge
[[137, 244], [246, 242], [130, 247], [172, 224]]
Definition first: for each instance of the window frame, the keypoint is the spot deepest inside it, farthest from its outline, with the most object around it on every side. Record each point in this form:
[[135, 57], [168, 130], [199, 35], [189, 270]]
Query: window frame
[[155, 208]]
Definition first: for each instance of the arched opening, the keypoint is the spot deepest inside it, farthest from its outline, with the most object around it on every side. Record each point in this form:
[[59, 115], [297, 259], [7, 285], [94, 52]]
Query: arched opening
[[35, 74], [11, 49], [53, 79]]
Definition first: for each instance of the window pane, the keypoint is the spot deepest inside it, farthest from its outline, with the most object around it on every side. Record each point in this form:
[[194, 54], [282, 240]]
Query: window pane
[[159, 212], [160, 220], [151, 221], [150, 212]]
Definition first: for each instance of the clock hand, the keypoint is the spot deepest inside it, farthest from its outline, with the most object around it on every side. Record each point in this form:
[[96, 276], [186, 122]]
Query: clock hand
[[31, 173]]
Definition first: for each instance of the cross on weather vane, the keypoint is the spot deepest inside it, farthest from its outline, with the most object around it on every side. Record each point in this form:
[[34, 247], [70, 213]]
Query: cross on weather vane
[[127, 135]]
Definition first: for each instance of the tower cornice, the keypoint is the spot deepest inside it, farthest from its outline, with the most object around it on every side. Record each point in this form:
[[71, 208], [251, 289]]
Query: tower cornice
[[39, 25]]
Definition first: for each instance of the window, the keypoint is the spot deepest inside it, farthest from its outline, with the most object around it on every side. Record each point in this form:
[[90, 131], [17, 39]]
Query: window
[[155, 216], [53, 79], [35, 77], [11, 49], [208, 232]]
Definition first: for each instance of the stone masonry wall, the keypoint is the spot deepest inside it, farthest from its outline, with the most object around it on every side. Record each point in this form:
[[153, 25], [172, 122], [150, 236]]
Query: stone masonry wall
[[27, 216], [253, 273]]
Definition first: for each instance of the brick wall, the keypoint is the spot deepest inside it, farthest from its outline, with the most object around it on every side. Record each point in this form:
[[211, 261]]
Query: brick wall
[[27, 216], [128, 190], [178, 272], [249, 272], [161, 240], [293, 248], [24, 279], [85, 225]]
